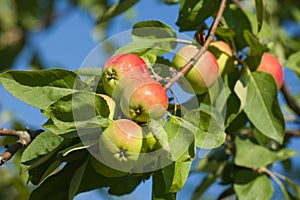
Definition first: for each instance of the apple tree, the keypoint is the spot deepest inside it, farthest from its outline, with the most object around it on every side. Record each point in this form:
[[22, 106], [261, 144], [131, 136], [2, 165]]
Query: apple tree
[[147, 108]]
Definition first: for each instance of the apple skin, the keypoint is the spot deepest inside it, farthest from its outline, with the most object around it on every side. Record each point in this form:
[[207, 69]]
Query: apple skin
[[202, 75], [121, 145], [105, 170], [144, 99], [117, 66], [271, 65], [223, 56], [111, 105]]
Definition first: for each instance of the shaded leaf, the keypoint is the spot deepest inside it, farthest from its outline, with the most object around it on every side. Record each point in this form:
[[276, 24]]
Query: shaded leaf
[[116, 9], [237, 21], [159, 188], [193, 13], [259, 13]]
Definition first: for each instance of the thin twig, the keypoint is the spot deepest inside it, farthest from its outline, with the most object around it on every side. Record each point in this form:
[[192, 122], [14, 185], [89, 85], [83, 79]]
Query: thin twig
[[202, 50], [289, 99], [294, 133], [25, 138]]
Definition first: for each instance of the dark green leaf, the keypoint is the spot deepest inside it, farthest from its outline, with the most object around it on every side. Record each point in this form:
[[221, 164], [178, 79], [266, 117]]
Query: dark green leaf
[[116, 9], [159, 188], [193, 13], [237, 21], [262, 107], [259, 13], [170, 2], [225, 33], [76, 180], [57, 185], [212, 162], [41, 88]]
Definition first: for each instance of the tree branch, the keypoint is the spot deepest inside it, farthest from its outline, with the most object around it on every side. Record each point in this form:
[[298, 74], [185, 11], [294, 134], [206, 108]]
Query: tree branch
[[25, 138], [289, 99], [203, 49]]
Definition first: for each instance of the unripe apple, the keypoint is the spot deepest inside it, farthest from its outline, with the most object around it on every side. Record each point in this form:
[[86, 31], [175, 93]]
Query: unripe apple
[[271, 65], [120, 144], [144, 99], [105, 170], [202, 75], [223, 55], [111, 105], [117, 66]]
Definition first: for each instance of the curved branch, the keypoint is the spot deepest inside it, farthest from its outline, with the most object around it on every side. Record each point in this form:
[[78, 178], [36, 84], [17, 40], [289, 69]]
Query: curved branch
[[208, 40], [289, 99], [25, 138]]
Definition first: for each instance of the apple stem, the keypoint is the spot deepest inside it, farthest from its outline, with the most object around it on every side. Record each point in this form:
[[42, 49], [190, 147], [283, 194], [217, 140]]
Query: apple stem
[[202, 50], [25, 138]]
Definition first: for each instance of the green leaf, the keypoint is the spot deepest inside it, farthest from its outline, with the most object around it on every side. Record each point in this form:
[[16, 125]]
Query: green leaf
[[259, 13], [153, 37], [41, 88], [237, 21], [78, 111], [256, 48], [57, 185], [208, 125], [116, 9], [40, 149], [170, 2], [293, 185], [258, 188], [245, 146], [193, 13], [159, 188], [293, 63], [76, 180], [262, 107], [225, 33]]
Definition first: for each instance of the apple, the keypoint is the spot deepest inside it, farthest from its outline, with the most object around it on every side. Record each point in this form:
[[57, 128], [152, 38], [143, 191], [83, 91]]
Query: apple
[[202, 75], [111, 105], [223, 54], [105, 170], [144, 99], [117, 66], [121, 145], [271, 65]]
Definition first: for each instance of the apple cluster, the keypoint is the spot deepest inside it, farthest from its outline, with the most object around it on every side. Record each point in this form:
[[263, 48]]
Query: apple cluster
[[128, 85]]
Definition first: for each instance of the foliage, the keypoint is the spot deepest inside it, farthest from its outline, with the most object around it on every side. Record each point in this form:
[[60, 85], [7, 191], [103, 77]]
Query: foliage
[[240, 119]]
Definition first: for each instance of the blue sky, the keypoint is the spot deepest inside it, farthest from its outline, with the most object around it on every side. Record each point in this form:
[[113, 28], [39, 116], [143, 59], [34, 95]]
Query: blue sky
[[66, 45]]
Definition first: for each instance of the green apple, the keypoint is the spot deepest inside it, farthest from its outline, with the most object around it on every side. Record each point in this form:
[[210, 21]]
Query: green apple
[[111, 105], [223, 54], [271, 65], [202, 75], [144, 99], [121, 145], [105, 170], [117, 66]]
